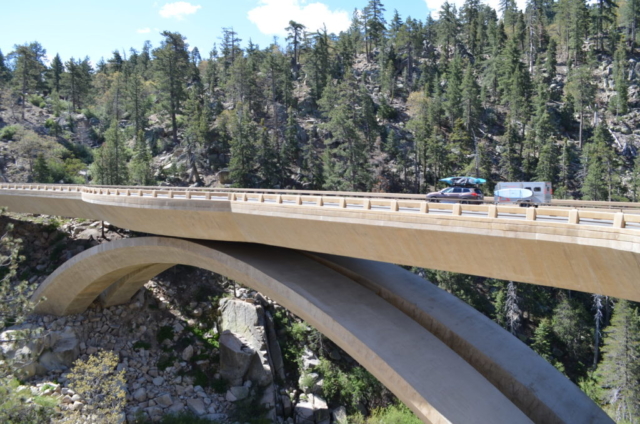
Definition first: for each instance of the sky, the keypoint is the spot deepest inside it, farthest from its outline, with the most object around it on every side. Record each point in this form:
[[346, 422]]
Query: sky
[[79, 28]]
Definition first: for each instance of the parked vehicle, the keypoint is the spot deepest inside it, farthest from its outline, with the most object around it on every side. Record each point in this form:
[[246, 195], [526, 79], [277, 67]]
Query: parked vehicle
[[457, 194], [523, 193]]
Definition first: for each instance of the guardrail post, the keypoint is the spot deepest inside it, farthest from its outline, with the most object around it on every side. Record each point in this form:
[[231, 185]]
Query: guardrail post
[[319, 202], [393, 206], [342, 203], [278, 199], [207, 195], [456, 210], [531, 214], [128, 192], [170, 194], [261, 198], [424, 207], [366, 204], [574, 216], [492, 211], [140, 192], [154, 193], [298, 200], [618, 220]]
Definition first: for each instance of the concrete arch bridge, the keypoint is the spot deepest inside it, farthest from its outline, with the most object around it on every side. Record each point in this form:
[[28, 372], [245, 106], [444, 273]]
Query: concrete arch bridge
[[327, 258]]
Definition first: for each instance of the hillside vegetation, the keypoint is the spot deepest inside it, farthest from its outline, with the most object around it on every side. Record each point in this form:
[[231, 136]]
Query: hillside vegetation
[[549, 93]]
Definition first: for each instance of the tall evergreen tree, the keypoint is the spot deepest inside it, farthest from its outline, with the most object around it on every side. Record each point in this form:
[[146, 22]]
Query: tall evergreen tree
[[110, 160], [618, 374], [55, 73], [244, 133], [172, 63], [28, 70]]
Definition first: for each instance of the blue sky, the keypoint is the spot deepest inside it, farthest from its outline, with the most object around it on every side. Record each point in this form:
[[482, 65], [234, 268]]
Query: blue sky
[[75, 28]]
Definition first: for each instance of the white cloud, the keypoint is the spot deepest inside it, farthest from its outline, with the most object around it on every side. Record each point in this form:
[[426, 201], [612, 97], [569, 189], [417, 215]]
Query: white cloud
[[273, 16], [435, 5], [144, 31], [178, 10]]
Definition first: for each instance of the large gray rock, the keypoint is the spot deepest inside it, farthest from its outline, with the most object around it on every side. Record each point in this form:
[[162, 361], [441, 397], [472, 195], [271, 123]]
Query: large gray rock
[[313, 409], [235, 357], [64, 352], [196, 406], [237, 393], [246, 320]]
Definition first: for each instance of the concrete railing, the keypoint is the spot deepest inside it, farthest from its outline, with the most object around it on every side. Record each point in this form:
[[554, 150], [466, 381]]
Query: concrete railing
[[573, 216]]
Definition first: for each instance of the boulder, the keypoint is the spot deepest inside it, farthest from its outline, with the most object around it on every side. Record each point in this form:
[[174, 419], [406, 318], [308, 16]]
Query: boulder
[[313, 409], [187, 354], [235, 357], [196, 406], [340, 415], [247, 321], [64, 352], [237, 393]]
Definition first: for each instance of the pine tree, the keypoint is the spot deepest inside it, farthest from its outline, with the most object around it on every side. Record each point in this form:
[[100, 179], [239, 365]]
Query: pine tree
[[268, 160], [55, 73], [243, 149], [547, 169], [291, 149], [140, 165], [29, 68], [41, 171], [580, 87], [453, 93], [601, 167], [618, 374], [345, 162], [542, 338], [376, 24], [295, 30], [110, 160], [5, 73], [76, 82], [172, 64], [620, 80], [137, 103], [470, 100]]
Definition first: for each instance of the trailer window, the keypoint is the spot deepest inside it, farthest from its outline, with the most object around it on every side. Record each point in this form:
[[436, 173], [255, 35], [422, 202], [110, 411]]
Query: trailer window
[[536, 189]]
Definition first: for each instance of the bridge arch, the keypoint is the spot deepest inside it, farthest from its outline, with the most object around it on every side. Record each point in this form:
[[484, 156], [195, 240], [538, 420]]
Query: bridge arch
[[442, 358]]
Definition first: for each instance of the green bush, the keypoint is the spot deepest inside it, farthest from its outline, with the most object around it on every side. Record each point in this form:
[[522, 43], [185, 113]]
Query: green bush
[[9, 132], [37, 101], [165, 333], [141, 345], [394, 414], [53, 126], [386, 111]]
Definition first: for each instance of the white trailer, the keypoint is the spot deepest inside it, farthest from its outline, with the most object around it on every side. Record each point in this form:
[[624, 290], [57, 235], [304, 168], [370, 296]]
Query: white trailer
[[538, 193]]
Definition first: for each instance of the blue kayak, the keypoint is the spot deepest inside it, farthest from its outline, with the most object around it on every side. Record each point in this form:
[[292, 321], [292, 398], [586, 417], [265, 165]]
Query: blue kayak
[[463, 180]]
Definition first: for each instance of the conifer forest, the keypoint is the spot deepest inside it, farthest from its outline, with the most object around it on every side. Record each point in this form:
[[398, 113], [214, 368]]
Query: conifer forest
[[548, 93]]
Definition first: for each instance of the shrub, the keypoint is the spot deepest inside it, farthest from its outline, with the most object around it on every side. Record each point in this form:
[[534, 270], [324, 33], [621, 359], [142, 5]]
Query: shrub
[[37, 101], [165, 333], [386, 111], [101, 387], [141, 345], [9, 132], [394, 414], [53, 126]]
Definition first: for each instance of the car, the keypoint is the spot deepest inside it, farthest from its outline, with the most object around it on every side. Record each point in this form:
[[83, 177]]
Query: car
[[457, 194]]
